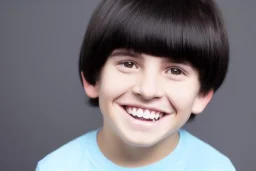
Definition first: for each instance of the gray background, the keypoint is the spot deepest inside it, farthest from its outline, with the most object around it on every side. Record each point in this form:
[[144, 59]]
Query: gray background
[[42, 103]]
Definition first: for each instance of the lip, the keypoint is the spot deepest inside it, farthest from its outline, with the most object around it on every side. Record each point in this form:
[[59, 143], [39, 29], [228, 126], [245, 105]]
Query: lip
[[139, 125]]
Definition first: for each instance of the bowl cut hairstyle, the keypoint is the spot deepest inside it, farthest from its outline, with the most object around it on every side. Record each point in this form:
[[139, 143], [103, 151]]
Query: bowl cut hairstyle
[[183, 30]]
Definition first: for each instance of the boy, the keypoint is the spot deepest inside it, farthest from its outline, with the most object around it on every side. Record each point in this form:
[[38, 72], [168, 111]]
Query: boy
[[150, 65]]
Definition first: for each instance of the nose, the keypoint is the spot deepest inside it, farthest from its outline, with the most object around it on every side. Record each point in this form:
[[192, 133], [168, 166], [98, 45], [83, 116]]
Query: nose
[[148, 87]]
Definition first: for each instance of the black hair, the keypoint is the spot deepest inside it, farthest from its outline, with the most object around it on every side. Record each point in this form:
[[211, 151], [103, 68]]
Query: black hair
[[184, 30]]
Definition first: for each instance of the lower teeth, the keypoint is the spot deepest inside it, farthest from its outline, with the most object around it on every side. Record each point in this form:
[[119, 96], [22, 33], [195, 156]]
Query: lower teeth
[[153, 120]]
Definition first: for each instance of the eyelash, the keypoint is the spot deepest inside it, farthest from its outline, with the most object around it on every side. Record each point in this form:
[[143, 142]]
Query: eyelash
[[182, 72], [125, 62]]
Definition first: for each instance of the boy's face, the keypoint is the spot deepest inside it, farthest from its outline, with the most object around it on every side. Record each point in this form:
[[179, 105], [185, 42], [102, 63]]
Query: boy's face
[[135, 86]]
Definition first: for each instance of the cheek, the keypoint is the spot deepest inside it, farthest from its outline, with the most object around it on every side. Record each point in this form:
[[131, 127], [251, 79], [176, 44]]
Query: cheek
[[182, 95], [114, 83]]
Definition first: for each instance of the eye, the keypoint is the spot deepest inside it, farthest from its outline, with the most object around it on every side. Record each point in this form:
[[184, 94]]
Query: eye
[[129, 64], [175, 71]]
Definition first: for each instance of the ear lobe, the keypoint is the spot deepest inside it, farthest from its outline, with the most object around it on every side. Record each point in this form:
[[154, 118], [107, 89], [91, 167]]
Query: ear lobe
[[90, 90], [201, 102]]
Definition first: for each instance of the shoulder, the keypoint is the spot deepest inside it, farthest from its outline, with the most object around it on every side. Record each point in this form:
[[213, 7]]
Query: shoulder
[[204, 156], [67, 157]]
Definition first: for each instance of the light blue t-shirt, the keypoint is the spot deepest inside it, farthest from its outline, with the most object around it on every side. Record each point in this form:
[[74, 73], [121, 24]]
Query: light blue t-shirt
[[83, 154]]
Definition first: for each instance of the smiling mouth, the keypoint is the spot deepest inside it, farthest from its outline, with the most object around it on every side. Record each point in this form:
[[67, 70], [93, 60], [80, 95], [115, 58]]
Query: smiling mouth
[[143, 114]]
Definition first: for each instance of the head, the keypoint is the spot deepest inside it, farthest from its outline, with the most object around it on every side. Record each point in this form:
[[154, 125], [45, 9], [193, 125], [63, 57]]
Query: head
[[128, 46]]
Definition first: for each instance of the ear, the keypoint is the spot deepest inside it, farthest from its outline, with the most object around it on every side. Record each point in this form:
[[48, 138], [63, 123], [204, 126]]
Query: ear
[[201, 102], [90, 90]]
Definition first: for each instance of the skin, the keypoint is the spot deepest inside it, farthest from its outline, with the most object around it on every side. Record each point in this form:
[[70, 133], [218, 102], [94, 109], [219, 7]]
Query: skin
[[148, 82]]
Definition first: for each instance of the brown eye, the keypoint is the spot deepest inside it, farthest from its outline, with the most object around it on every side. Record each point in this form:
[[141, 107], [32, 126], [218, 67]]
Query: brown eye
[[175, 71], [129, 64]]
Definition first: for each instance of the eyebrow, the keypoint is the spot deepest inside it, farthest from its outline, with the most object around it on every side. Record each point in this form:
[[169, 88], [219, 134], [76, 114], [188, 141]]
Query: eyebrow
[[130, 53], [170, 60]]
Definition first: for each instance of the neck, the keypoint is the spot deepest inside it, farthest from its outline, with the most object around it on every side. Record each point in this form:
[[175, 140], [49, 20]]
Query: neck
[[122, 154]]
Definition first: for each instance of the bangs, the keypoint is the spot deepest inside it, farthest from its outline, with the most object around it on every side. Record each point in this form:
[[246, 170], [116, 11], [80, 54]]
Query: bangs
[[185, 31]]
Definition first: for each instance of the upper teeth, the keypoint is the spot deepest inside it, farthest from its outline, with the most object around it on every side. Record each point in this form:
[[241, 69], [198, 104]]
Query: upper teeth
[[144, 113]]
